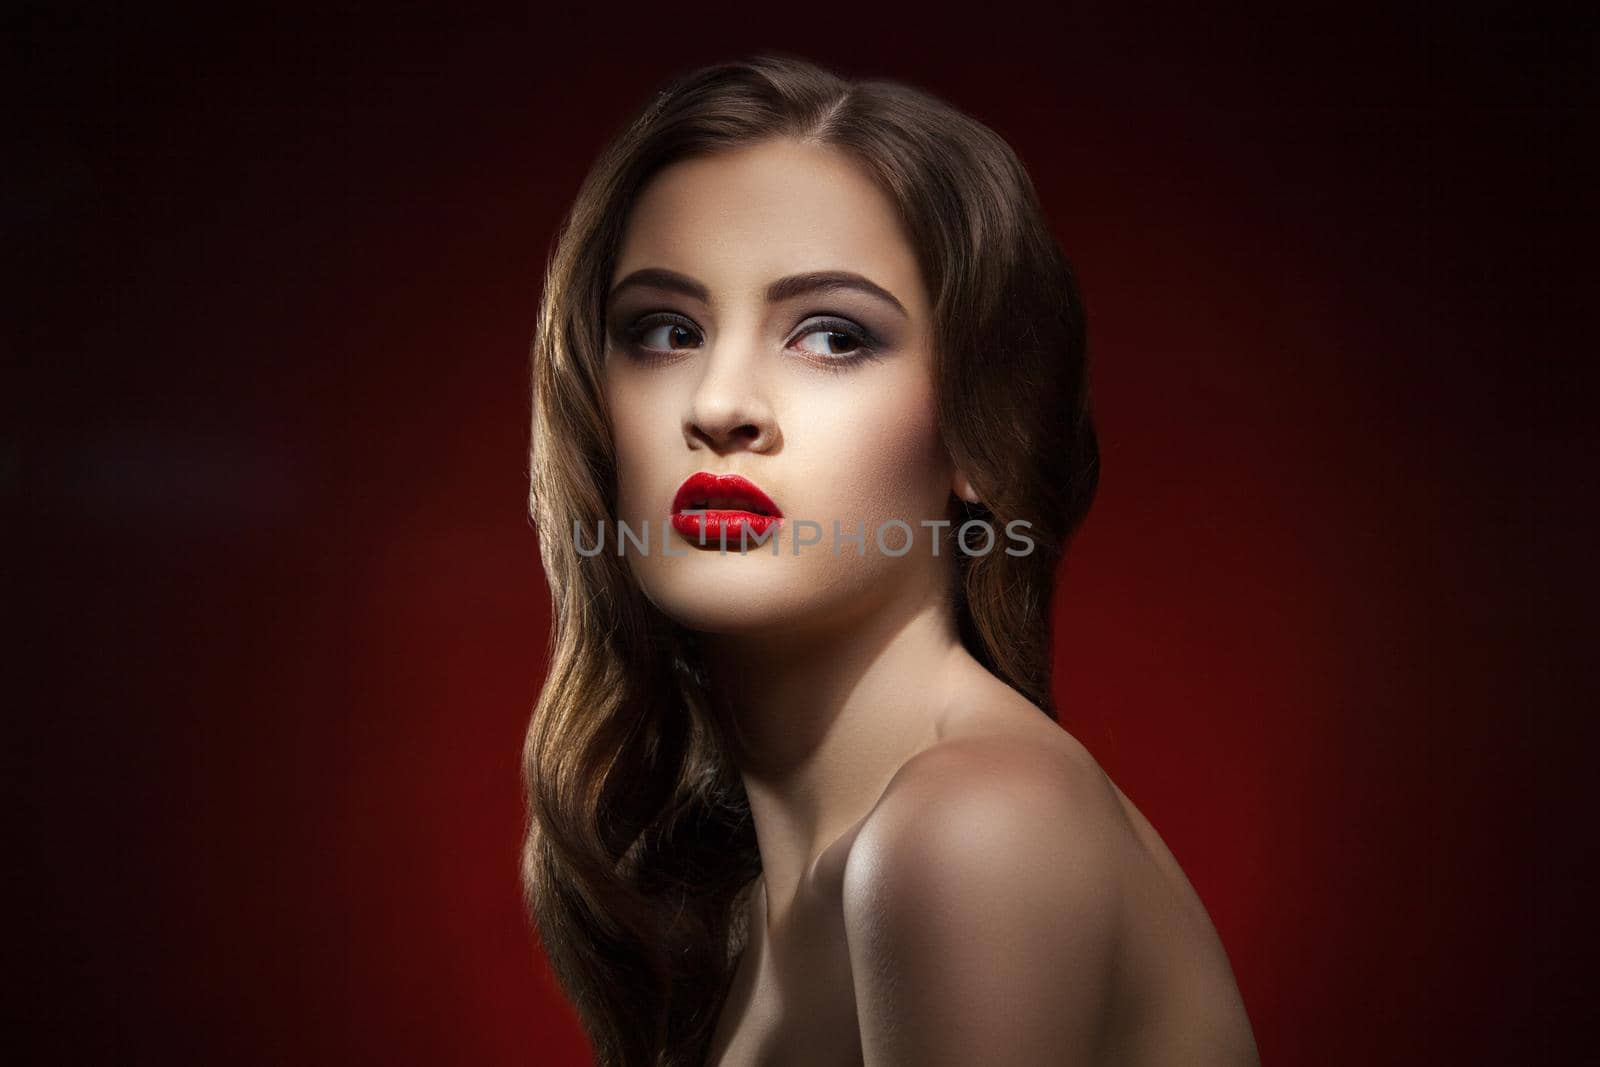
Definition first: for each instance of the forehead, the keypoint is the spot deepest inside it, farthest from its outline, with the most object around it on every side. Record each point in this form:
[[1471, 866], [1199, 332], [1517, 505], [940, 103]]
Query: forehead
[[740, 218]]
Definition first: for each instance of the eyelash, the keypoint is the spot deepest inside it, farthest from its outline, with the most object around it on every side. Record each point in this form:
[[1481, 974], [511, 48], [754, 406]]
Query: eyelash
[[866, 345]]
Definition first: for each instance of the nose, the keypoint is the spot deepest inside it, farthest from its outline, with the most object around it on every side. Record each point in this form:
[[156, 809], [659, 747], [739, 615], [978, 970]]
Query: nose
[[728, 410]]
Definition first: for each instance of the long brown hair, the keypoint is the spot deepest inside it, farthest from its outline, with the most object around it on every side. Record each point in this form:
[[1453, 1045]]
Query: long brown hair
[[640, 850]]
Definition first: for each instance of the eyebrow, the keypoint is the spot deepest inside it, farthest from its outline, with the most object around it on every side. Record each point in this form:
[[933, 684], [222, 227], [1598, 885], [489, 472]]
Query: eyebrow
[[819, 281]]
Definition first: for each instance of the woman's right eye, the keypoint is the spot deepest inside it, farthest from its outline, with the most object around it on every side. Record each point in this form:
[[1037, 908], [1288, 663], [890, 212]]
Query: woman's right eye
[[665, 335]]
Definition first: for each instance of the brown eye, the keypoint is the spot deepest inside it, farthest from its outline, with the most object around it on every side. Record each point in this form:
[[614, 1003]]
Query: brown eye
[[668, 336], [829, 343]]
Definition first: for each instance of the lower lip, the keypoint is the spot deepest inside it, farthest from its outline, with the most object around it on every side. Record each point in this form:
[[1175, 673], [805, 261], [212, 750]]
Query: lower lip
[[713, 528]]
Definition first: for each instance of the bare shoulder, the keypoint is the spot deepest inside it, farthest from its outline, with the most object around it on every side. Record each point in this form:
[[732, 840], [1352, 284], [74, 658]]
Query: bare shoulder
[[983, 901], [971, 806], [1004, 902], [1002, 776]]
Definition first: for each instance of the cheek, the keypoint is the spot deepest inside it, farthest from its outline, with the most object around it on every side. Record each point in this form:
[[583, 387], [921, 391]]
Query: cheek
[[890, 457], [636, 433]]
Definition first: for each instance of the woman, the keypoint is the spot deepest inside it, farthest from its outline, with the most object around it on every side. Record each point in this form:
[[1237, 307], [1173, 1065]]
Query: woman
[[796, 792]]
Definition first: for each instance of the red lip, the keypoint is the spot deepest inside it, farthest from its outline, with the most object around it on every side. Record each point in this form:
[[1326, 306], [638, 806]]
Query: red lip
[[721, 509], [729, 490]]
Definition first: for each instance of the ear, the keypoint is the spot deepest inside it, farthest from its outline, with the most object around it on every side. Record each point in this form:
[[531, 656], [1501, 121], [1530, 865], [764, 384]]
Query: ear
[[961, 485]]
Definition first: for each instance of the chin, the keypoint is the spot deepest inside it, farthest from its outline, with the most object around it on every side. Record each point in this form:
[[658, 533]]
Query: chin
[[752, 594]]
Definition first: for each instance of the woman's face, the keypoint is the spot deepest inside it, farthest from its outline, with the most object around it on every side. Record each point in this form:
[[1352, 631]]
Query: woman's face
[[721, 358]]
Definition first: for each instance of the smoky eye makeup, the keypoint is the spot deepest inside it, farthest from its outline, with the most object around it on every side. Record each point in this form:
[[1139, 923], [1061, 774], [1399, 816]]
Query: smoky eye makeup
[[829, 340], [651, 334], [662, 331], [834, 341]]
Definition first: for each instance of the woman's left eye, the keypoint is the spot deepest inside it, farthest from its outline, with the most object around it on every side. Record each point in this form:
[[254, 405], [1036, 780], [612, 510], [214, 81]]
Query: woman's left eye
[[831, 340]]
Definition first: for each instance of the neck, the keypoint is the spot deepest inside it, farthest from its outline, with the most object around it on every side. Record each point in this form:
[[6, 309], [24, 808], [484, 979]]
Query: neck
[[819, 721]]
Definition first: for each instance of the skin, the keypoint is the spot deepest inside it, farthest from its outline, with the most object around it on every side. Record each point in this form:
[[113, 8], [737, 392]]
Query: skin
[[948, 876]]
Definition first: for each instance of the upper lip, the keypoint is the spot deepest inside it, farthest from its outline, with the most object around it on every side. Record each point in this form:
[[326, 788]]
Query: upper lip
[[704, 490]]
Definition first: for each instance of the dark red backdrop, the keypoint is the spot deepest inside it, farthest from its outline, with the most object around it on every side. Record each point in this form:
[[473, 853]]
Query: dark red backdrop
[[285, 610]]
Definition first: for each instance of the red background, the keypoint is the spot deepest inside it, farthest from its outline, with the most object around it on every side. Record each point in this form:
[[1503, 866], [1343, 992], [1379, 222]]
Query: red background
[[285, 617]]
